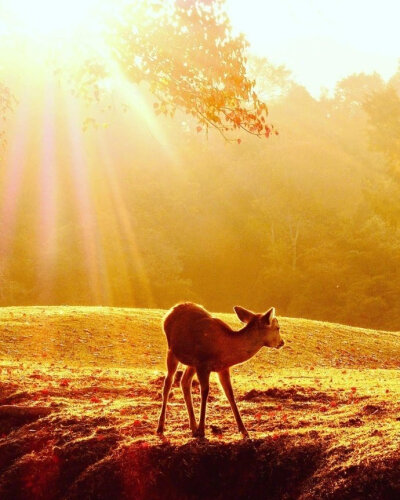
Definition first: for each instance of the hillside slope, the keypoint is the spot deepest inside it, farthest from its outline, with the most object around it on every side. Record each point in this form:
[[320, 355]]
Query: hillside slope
[[80, 396], [134, 338]]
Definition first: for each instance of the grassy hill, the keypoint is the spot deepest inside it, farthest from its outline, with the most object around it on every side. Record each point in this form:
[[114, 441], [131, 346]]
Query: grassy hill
[[80, 396]]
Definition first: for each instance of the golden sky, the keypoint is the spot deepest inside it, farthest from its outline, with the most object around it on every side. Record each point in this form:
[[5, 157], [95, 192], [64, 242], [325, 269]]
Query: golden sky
[[322, 41]]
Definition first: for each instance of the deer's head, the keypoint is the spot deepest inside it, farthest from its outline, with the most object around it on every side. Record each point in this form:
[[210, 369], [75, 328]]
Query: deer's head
[[265, 324]]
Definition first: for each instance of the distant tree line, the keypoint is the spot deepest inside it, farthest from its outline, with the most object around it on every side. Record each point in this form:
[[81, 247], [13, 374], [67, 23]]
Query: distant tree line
[[306, 221]]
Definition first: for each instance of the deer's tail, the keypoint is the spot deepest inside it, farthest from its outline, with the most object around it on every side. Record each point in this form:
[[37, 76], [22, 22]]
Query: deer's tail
[[166, 326]]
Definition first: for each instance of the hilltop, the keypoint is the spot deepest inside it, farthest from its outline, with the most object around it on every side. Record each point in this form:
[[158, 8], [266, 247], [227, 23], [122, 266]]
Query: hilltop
[[80, 396], [133, 338]]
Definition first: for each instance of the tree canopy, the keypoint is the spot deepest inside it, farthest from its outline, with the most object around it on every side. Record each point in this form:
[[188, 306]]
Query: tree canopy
[[383, 108], [187, 55], [186, 52]]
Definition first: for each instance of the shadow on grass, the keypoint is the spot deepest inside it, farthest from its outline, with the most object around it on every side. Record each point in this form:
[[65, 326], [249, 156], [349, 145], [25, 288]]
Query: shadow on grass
[[73, 462], [200, 469]]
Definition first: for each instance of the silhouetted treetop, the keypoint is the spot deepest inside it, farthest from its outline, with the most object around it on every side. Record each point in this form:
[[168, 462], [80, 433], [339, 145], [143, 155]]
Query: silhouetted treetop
[[383, 109], [191, 60]]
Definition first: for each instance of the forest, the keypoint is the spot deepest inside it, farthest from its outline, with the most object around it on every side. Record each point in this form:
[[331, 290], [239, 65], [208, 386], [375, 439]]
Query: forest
[[306, 220]]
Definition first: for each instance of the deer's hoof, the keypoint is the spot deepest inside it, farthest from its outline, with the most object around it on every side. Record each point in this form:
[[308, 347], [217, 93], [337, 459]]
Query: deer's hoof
[[199, 433]]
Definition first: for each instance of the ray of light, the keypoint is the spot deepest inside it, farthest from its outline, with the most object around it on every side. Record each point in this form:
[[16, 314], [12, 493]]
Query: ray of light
[[114, 268], [136, 100], [126, 230], [14, 166], [47, 201], [134, 97], [79, 169]]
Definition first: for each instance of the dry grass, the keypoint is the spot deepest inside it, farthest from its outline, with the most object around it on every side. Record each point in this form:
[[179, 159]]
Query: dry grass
[[323, 413]]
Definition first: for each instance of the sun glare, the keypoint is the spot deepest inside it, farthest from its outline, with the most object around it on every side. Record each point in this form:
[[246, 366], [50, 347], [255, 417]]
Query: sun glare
[[48, 18]]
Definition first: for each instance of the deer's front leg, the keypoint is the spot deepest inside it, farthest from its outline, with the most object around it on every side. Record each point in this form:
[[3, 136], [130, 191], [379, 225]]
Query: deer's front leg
[[225, 379], [204, 379]]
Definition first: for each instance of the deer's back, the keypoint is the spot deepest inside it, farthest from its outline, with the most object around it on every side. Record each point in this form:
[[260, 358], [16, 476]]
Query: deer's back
[[193, 335]]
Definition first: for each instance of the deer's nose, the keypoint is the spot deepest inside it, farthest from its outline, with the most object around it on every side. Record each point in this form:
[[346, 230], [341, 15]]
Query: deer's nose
[[281, 344]]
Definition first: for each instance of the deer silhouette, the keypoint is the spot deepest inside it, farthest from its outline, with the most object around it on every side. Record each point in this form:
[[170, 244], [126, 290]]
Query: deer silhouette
[[206, 344]]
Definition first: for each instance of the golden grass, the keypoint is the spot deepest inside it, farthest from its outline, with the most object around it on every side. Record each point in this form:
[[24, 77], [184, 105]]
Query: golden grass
[[133, 338], [332, 395]]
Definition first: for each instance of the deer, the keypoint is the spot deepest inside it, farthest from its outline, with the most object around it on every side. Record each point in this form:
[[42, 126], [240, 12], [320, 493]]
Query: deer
[[207, 344]]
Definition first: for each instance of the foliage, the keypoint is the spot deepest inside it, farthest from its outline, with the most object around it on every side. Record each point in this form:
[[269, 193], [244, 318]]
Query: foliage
[[187, 54], [184, 51], [352, 92], [383, 109], [271, 82]]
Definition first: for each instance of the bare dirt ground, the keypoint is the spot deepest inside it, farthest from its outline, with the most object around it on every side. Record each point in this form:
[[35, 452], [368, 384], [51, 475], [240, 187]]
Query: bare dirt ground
[[80, 393]]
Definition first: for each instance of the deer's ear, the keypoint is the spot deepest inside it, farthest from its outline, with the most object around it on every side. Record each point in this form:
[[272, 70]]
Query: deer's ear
[[269, 315], [243, 314]]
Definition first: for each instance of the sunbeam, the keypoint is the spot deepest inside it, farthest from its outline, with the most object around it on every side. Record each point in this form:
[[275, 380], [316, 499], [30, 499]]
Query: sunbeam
[[14, 167], [47, 247], [84, 206], [126, 231]]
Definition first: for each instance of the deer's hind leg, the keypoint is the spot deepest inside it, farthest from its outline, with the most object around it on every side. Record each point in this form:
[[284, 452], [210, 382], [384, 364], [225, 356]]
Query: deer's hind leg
[[186, 384], [172, 365]]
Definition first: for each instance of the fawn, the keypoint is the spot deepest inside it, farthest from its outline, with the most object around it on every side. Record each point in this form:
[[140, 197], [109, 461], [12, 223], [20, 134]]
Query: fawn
[[206, 344]]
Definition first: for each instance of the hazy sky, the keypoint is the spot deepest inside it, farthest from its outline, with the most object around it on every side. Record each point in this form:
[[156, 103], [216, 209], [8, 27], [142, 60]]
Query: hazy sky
[[322, 41]]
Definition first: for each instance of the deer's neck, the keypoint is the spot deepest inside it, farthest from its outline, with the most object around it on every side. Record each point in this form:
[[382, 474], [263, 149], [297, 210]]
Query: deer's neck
[[245, 344]]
